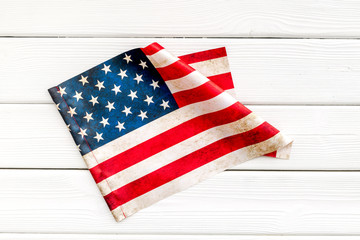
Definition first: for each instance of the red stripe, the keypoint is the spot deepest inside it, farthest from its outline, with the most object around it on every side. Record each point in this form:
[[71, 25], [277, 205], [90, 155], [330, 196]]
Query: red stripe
[[272, 154], [167, 139], [223, 80], [204, 55], [203, 92], [152, 48], [175, 70], [188, 163]]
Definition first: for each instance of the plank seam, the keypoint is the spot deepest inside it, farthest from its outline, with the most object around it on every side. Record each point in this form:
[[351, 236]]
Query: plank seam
[[175, 37], [187, 234]]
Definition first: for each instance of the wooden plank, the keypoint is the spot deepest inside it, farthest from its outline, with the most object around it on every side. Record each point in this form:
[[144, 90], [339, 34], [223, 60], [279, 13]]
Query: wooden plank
[[293, 203], [233, 18], [266, 71], [326, 138], [16, 236]]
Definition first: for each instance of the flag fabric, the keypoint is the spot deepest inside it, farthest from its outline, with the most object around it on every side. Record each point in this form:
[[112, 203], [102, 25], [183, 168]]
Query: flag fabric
[[149, 124]]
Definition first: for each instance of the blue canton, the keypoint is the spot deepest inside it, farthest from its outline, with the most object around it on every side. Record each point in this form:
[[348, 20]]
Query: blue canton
[[112, 99]]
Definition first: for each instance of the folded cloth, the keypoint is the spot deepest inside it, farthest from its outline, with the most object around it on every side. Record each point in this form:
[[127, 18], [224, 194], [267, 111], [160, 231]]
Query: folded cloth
[[149, 124]]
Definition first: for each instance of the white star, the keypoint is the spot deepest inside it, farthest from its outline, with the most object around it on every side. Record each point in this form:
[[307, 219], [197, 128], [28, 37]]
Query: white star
[[165, 104], [132, 95], [138, 78], [78, 96], [72, 111], [106, 69], [100, 85], [116, 89], [127, 58], [149, 100], [143, 64], [142, 115], [127, 110], [98, 137], [82, 132], [110, 106], [104, 121], [83, 80], [155, 84], [78, 147], [68, 126], [88, 116], [94, 100], [122, 74], [57, 106], [120, 126], [61, 91]]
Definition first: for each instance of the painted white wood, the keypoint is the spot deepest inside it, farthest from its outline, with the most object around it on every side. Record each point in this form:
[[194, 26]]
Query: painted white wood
[[292, 203], [266, 71], [326, 138], [246, 18], [16, 236], [256, 205]]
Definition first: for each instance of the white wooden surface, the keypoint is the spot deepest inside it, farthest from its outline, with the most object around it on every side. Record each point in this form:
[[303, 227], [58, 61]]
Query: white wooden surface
[[301, 73], [231, 18], [233, 202], [267, 71]]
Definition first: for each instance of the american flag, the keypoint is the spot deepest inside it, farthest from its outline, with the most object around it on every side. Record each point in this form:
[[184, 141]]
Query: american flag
[[149, 124]]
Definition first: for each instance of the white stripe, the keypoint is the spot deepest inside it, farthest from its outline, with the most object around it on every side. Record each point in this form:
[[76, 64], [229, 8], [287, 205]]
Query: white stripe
[[232, 92], [162, 58], [178, 151], [284, 153], [192, 80], [212, 67], [156, 127], [189, 82], [185, 181]]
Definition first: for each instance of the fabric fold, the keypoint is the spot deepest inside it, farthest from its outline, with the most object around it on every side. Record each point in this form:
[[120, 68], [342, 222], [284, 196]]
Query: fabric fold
[[149, 124]]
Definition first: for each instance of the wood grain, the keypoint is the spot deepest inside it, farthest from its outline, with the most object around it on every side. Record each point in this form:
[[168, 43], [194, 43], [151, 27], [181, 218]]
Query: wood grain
[[326, 138], [246, 18], [265, 71], [293, 203]]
